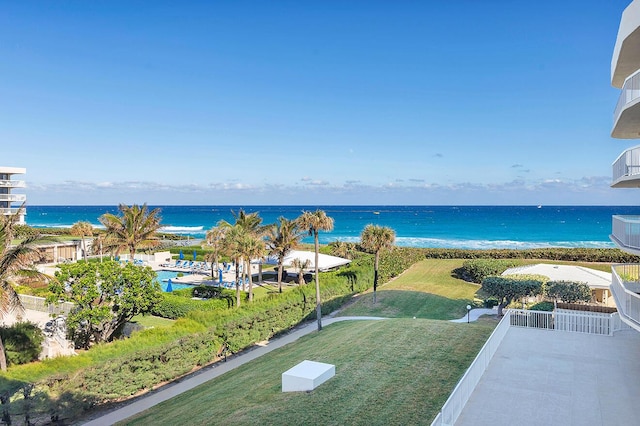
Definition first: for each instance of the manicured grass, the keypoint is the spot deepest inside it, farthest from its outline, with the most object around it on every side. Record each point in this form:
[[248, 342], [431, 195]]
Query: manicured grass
[[151, 321], [391, 372], [428, 289]]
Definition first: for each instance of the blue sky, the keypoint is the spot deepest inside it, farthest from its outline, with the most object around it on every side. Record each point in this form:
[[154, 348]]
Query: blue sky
[[301, 102]]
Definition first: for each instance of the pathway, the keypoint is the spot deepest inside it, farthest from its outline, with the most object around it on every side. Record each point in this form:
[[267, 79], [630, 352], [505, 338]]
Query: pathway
[[182, 385], [474, 314]]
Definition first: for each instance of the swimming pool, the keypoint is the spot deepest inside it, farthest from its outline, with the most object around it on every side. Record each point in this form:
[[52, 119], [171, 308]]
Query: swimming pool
[[163, 276]]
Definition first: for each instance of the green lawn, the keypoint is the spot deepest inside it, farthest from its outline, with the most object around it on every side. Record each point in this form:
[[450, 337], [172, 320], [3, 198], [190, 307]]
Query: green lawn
[[428, 289], [392, 372], [151, 321]]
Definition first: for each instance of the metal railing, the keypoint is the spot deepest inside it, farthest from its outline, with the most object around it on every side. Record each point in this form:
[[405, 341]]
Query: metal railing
[[626, 230], [563, 320], [12, 183], [13, 197], [625, 284], [10, 211], [630, 92], [455, 403], [627, 164]]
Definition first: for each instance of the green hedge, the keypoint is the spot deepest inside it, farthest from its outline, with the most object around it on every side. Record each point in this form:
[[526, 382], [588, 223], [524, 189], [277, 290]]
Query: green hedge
[[566, 254]]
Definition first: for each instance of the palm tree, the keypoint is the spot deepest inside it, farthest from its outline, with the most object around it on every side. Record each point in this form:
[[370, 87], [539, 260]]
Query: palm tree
[[375, 239], [252, 247], [215, 241], [15, 260], [342, 249], [301, 265], [135, 229], [281, 239], [82, 229], [315, 222], [233, 247], [251, 224]]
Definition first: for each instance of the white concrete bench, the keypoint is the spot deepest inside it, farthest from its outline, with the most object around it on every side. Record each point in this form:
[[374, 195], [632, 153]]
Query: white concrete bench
[[307, 376]]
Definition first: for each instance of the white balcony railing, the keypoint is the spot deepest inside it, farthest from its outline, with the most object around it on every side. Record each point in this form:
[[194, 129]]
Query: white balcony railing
[[630, 93], [625, 285], [12, 184], [626, 231], [627, 164], [10, 211], [13, 197]]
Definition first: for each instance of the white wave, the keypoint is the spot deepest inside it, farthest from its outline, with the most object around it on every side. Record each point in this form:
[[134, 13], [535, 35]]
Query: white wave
[[495, 244], [482, 244], [63, 225], [182, 229]]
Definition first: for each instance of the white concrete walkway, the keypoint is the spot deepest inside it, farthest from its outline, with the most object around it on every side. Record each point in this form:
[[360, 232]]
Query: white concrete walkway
[[182, 385], [542, 377], [474, 314]]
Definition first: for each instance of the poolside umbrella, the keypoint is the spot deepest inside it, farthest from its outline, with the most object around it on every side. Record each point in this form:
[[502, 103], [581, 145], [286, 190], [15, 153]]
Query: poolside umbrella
[[195, 254], [220, 276], [169, 288], [181, 256]]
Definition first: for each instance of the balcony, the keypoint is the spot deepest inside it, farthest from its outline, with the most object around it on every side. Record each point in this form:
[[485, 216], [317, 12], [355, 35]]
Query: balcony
[[625, 233], [12, 184], [626, 169], [10, 211], [13, 198], [625, 286], [626, 117], [626, 53]]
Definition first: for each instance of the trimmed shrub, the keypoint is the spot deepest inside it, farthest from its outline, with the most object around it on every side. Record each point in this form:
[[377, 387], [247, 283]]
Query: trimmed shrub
[[477, 270], [22, 342]]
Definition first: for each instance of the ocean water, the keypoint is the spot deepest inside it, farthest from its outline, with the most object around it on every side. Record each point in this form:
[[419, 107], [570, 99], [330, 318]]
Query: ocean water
[[474, 227]]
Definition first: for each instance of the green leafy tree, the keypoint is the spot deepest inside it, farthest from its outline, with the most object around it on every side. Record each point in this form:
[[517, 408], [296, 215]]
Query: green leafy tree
[[136, 228], [16, 260], [82, 229], [376, 239], [252, 247], [106, 295], [568, 291], [281, 239], [23, 342], [507, 289], [315, 222]]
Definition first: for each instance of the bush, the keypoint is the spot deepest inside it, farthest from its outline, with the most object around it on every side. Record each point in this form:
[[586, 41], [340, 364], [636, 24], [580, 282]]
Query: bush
[[22, 342], [568, 291], [477, 270], [556, 253]]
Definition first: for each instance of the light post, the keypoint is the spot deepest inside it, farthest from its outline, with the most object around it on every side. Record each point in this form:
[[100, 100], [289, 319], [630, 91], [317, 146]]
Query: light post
[[468, 312]]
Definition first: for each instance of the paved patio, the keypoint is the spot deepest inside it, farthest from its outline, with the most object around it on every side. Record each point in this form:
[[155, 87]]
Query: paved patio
[[541, 377]]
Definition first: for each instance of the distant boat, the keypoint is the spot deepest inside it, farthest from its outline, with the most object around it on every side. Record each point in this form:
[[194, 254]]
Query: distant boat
[[539, 206], [376, 212]]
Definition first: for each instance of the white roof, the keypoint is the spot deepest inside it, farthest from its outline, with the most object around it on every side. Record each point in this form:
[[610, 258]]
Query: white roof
[[325, 262], [593, 278]]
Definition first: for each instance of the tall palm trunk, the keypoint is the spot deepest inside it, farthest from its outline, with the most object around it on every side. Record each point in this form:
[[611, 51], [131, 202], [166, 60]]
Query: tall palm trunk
[[375, 276], [3, 358], [84, 248], [237, 284], [279, 275], [318, 305], [248, 267]]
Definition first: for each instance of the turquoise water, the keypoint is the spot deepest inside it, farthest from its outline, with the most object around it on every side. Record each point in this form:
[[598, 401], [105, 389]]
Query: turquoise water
[[166, 275], [417, 226]]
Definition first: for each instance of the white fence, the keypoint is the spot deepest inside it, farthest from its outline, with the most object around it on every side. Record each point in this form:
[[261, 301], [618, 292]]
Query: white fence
[[564, 320], [40, 304], [463, 390]]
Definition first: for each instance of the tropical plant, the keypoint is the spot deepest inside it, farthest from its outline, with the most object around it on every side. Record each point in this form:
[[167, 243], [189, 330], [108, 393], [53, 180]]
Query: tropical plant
[[281, 239], [375, 239], [15, 260], [252, 247], [343, 249], [214, 240], [315, 222], [23, 342], [568, 291], [106, 295], [301, 265], [134, 229], [82, 229], [511, 287]]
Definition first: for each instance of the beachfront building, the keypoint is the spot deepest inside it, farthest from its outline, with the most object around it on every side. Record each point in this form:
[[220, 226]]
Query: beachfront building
[[625, 75], [9, 201]]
